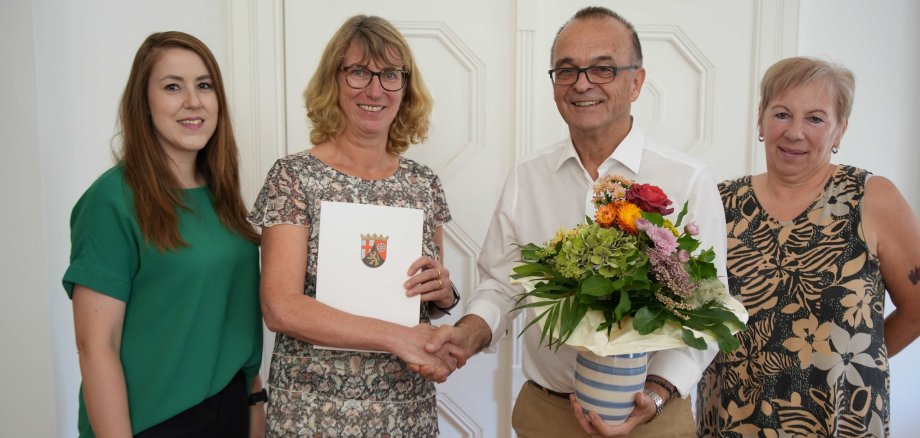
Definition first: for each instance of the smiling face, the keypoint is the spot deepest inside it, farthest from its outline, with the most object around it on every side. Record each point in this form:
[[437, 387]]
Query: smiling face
[[369, 111], [183, 104], [799, 128], [596, 109]]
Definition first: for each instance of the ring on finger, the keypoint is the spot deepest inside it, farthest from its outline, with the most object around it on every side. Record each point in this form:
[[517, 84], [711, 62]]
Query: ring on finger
[[439, 273], [440, 285]]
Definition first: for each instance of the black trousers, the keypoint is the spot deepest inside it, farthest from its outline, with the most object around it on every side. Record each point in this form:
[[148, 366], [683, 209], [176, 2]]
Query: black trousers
[[223, 415]]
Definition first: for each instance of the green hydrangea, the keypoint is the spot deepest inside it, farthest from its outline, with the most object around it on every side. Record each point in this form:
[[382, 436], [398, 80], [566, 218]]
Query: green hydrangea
[[609, 252]]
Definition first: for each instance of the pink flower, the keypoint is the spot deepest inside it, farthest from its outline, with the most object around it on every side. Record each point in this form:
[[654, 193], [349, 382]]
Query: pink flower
[[649, 198], [692, 229], [642, 224], [683, 256], [663, 238]]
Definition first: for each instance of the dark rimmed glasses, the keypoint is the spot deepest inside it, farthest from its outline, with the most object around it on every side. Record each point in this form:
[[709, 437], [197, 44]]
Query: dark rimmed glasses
[[359, 77], [596, 74]]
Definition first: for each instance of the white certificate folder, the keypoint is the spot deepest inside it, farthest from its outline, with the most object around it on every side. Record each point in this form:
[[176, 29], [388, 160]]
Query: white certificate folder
[[363, 259]]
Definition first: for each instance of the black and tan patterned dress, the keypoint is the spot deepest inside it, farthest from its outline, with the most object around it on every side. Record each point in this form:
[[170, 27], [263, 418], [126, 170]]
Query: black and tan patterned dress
[[332, 393], [812, 361]]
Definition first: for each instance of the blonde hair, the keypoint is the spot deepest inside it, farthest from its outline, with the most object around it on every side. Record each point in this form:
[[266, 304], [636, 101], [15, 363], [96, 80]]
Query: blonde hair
[[793, 72], [380, 41]]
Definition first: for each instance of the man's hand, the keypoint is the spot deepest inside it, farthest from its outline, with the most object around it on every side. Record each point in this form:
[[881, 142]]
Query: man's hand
[[458, 343], [434, 366], [594, 425]]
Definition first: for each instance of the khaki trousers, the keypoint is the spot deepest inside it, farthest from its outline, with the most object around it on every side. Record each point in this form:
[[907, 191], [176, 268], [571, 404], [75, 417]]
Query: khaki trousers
[[540, 415]]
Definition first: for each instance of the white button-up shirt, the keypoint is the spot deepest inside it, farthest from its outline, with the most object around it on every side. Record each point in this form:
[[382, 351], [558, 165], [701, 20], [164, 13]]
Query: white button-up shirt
[[552, 190]]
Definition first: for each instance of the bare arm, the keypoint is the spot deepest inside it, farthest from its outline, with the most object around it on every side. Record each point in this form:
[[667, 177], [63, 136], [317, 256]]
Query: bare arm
[[257, 412], [893, 232], [98, 322], [287, 310]]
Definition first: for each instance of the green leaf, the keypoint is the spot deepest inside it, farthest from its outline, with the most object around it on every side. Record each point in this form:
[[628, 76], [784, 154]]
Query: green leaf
[[707, 256], [692, 340], [570, 321], [623, 307], [647, 321], [549, 326], [680, 216], [654, 218], [701, 269], [549, 287], [687, 242], [529, 270], [534, 321], [597, 285], [724, 338]]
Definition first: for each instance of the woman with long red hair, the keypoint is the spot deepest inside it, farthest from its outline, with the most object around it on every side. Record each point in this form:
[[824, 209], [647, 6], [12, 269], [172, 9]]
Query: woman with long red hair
[[164, 268]]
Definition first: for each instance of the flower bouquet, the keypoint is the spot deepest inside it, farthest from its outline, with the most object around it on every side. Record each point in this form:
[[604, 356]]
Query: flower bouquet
[[621, 285], [628, 281]]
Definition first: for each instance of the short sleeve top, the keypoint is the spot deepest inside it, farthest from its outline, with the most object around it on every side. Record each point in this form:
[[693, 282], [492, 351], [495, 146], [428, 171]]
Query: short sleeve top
[[192, 317]]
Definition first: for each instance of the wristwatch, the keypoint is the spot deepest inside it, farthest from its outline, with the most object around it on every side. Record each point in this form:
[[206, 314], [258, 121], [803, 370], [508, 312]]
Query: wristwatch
[[447, 309], [659, 402]]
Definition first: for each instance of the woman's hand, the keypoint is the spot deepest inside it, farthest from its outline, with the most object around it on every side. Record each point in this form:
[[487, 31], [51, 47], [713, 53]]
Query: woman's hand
[[431, 280], [432, 366]]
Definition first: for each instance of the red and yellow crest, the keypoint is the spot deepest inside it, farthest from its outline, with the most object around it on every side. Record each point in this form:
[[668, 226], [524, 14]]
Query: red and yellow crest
[[373, 249]]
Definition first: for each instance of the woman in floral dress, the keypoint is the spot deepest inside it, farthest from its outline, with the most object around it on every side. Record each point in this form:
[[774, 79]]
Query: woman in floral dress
[[367, 103], [812, 247]]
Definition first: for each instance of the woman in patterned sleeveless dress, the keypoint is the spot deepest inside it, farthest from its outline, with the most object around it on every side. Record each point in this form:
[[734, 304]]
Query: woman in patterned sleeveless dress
[[367, 103], [812, 247]]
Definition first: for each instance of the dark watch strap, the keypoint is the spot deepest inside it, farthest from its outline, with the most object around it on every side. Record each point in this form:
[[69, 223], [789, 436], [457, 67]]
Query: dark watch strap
[[258, 396], [454, 304]]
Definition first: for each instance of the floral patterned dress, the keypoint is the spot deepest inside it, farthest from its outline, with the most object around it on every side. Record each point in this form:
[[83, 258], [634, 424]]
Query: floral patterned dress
[[332, 393], [812, 361]]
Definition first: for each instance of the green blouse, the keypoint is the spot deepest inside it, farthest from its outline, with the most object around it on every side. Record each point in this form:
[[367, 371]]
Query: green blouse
[[192, 317]]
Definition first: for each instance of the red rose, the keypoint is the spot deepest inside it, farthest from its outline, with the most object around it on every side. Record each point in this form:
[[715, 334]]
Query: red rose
[[649, 198]]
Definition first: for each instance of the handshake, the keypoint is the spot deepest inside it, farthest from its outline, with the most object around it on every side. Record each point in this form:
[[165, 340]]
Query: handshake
[[436, 352]]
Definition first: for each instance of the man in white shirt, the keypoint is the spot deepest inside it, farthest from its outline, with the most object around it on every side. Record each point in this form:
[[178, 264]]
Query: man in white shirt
[[597, 74]]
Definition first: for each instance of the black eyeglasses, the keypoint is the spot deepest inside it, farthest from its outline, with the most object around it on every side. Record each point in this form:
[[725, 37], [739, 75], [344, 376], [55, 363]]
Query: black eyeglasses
[[596, 74], [360, 77]]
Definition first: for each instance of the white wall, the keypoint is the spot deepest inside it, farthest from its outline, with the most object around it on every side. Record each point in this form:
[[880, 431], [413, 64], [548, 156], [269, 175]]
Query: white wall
[[65, 65], [880, 42], [26, 409], [62, 68]]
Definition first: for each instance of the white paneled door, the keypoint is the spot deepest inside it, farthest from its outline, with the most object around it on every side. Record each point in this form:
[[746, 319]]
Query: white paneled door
[[485, 62]]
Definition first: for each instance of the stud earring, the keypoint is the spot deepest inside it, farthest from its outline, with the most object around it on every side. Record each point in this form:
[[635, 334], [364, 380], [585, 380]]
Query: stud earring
[[760, 138], [835, 149]]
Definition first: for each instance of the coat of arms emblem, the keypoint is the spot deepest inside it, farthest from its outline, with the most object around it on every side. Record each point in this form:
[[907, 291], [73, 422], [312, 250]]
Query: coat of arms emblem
[[373, 249]]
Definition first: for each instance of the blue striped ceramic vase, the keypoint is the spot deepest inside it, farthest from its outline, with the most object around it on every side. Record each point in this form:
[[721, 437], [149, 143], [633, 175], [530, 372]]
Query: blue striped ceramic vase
[[608, 384]]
